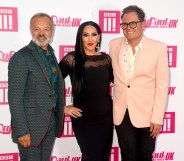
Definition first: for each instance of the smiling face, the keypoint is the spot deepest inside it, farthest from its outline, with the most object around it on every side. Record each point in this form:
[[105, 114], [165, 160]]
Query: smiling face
[[90, 38], [41, 31], [133, 35]]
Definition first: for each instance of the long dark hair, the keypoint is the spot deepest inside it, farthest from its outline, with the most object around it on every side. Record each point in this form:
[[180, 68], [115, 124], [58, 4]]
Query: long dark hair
[[78, 72]]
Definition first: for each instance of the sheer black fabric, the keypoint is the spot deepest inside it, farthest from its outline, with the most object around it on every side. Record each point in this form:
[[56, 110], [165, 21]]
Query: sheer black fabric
[[94, 130]]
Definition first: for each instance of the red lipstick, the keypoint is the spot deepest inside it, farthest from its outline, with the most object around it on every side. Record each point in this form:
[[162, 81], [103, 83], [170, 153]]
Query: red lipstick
[[90, 44]]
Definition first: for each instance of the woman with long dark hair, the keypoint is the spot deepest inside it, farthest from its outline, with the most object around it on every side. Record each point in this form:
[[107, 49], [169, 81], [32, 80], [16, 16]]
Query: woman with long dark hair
[[91, 73]]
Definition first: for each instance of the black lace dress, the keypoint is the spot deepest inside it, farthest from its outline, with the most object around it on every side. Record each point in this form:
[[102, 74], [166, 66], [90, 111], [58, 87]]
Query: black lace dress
[[94, 130]]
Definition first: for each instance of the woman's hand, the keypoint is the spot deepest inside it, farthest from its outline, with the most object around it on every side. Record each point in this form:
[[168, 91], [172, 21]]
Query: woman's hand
[[72, 111]]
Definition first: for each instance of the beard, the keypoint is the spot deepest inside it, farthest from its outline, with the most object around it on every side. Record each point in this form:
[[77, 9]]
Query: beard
[[41, 41]]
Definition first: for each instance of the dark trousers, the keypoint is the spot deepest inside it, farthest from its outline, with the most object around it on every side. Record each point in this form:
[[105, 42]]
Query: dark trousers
[[135, 143], [43, 151]]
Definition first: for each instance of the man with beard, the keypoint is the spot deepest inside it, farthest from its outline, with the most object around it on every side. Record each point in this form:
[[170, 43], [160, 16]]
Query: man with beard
[[36, 93]]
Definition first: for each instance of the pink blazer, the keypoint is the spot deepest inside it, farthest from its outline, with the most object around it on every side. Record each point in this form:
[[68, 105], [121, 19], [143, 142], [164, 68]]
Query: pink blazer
[[145, 95]]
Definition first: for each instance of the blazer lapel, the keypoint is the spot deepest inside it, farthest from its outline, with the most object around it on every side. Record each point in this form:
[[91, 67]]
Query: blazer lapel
[[39, 61], [123, 61]]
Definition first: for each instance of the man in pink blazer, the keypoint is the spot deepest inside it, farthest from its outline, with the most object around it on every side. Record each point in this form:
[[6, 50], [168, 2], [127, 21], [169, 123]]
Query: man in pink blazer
[[141, 80]]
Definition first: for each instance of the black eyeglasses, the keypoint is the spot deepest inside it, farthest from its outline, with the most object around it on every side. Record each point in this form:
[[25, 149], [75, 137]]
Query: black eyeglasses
[[132, 24]]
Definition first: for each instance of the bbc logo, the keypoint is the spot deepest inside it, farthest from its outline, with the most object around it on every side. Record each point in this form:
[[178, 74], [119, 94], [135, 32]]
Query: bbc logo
[[3, 92], [8, 19], [172, 56], [109, 21], [64, 49], [169, 123]]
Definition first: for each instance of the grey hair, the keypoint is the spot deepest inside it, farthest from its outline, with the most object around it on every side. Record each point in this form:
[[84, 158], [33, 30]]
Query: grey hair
[[41, 14]]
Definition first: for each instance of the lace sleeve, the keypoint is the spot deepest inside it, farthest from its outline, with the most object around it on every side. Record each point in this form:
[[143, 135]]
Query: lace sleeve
[[66, 64], [110, 68]]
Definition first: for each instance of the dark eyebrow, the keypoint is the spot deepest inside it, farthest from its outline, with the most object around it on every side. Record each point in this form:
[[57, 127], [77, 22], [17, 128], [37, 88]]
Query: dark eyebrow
[[91, 33]]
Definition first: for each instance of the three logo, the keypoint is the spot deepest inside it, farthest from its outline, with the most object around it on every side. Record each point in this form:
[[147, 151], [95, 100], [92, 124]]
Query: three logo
[[8, 19]]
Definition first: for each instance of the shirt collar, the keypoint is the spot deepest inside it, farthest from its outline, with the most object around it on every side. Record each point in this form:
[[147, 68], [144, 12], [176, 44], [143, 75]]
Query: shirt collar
[[138, 46], [40, 50]]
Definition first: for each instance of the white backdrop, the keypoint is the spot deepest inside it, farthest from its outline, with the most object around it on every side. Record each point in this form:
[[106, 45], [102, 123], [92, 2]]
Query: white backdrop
[[165, 22]]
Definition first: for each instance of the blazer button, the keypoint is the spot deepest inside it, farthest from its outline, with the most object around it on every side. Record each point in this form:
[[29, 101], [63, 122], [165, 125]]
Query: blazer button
[[50, 95], [128, 86]]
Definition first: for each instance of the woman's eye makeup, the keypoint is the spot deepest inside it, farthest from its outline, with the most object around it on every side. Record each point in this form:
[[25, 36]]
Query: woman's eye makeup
[[85, 34], [93, 34]]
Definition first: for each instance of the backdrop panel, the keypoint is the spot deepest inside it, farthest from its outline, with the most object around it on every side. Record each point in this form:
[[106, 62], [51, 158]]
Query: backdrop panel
[[164, 22]]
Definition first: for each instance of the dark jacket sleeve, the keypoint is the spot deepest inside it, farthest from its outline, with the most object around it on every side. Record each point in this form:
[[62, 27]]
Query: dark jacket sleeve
[[17, 76]]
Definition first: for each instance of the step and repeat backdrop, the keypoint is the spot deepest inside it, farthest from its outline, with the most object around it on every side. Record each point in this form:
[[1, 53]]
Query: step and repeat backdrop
[[164, 22]]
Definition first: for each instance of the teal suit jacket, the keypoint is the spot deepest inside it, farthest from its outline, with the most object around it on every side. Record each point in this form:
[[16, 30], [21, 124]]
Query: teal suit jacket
[[30, 97]]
